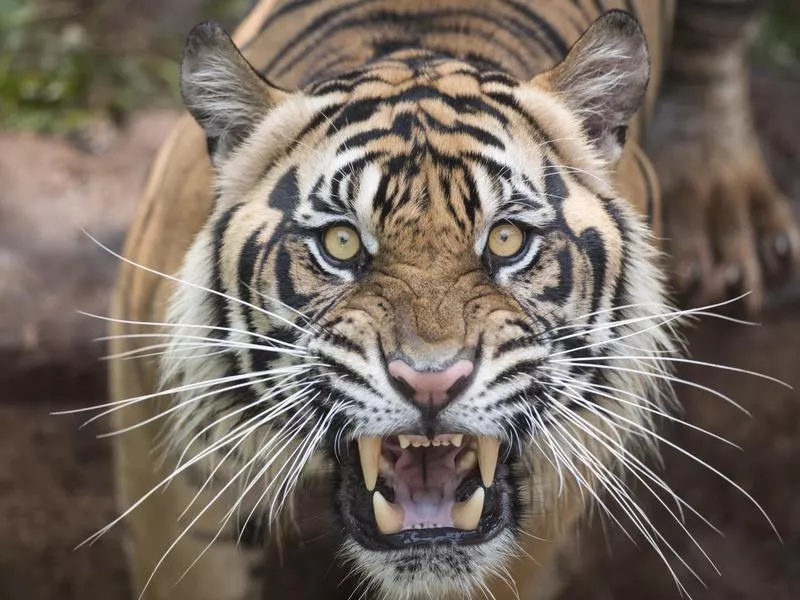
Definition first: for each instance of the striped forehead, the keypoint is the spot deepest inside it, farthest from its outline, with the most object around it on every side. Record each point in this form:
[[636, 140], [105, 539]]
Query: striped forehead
[[414, 152]]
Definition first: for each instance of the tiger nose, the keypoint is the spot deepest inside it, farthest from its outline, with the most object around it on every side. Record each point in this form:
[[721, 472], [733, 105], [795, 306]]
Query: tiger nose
[[431, 390]]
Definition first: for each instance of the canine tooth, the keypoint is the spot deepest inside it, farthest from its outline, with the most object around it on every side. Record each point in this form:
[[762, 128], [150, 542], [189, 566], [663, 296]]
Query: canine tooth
[[467, 461], [403, 441], [388, 516], [466, 515], [457, 439], [488, 451], [369, 450]]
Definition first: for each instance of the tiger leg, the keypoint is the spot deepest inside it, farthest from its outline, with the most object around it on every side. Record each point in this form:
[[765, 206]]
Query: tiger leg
[[226, 570], [728, 228]]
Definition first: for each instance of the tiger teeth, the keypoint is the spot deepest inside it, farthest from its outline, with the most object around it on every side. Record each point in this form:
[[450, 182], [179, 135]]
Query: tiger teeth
[[488, 451], [388, 516], [419, 441], [466, 515], [369, 451]]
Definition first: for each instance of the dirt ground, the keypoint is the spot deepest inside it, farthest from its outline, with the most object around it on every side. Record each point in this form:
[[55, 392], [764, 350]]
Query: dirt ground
[[55, 484]]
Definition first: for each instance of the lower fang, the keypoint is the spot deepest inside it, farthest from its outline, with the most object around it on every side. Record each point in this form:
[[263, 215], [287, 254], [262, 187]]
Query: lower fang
[[388, 516], [466, 515]]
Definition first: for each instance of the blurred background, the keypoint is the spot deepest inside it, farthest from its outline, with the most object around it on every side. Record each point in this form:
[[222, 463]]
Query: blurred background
[[88, 91]]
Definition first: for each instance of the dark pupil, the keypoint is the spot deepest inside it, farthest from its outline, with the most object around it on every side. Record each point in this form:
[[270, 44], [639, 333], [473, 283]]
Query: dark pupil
[[504, 236], [343, 238]]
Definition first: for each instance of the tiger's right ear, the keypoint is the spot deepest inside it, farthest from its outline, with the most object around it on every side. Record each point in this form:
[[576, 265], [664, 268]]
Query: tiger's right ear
[[222, 91]]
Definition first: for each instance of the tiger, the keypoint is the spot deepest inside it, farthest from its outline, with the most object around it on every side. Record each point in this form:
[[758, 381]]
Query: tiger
[[404, 259]]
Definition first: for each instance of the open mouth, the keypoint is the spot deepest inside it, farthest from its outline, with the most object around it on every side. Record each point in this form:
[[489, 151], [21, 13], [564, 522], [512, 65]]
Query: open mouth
[[408, 490]]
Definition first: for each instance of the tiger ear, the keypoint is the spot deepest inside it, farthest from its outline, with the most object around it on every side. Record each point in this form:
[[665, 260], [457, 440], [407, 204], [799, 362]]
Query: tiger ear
[[603, 79], [222, 91]]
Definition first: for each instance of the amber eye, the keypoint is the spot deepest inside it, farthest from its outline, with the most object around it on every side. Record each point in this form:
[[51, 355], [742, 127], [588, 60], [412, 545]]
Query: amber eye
[[505, 240], [342, 242]]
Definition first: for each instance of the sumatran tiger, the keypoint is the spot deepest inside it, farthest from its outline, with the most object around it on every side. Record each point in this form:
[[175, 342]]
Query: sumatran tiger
[[400, 259]]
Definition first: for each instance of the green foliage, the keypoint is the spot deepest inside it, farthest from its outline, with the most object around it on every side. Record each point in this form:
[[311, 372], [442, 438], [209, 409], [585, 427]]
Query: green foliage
[[779, 42], [64, 62]]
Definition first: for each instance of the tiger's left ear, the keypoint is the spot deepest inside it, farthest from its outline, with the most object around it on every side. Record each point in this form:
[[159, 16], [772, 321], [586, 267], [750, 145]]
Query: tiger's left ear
[[222, 91], [603, 79]]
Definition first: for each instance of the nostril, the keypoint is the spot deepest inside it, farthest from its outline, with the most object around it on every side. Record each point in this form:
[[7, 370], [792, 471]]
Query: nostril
[[403, 386], [431, 389], [461, 384]]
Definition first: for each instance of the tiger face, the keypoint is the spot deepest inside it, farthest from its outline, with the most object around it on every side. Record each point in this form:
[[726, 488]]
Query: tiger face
[[420, 274]]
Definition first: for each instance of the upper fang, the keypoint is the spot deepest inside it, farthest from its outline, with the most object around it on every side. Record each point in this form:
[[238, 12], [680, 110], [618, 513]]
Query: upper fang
[[488, 452], [369, 451]]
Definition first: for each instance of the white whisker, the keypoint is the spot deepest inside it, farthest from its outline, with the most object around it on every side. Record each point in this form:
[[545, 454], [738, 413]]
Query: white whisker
[[246, 332], [674, 379], [675, 359], [180, 281]]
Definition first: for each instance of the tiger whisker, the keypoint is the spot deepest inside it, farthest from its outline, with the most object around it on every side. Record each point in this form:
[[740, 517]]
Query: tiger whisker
[[538, 425], [638, 427], [241, 436], [668, 317], [630, 461], [286, 432], [294, 351], [678, 518], [165, 481], [183, 533], [616, 488], [641, 403], [292, 466], [673, 379], [256, 421], [292, 476], [112, 406], [619, 491], [679, 360], [661, 324], [190, 284], [702, 311], [235, 330], [301, 456], [583, 484], [244, 428], [188, 347], [180, 406], [505, 576]]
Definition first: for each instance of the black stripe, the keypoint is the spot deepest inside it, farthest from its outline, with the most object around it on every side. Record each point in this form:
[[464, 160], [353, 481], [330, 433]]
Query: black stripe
[[593, 247], [557, 42], [559, 293], [218, 303]]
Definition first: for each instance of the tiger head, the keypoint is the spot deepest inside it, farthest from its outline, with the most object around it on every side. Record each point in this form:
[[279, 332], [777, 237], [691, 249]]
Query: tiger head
[[422, 281]]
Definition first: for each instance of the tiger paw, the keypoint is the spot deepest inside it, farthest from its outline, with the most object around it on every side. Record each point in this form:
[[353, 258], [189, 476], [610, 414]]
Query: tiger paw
[[729, 230]]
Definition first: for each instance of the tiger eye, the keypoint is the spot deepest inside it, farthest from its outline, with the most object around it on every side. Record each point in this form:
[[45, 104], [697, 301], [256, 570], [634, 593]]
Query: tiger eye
[[342, 242], [505, 240]]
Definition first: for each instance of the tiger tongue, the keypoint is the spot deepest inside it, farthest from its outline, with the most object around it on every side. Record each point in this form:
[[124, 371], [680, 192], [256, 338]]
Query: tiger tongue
[[425, 482]]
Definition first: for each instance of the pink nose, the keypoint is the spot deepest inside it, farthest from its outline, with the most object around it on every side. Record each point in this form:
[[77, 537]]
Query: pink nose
[[431, 388]]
